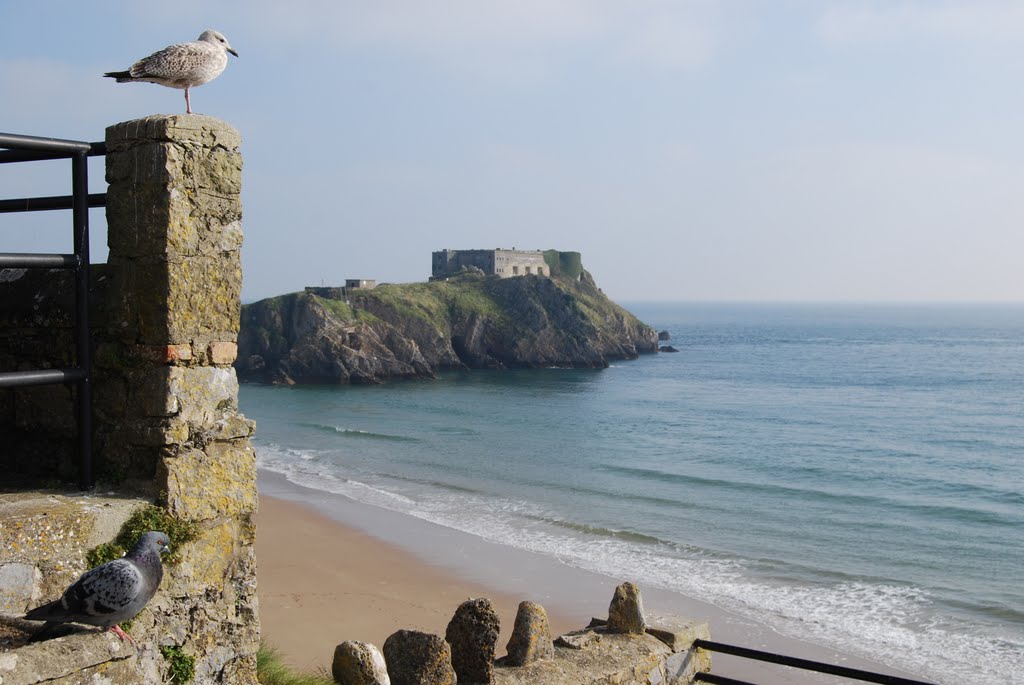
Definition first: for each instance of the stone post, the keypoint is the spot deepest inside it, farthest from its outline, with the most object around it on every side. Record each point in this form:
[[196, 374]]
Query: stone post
[[167, 395]]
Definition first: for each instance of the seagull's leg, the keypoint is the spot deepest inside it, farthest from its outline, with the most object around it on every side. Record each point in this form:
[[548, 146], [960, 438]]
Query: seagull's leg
[[188, 105], [116, 629]]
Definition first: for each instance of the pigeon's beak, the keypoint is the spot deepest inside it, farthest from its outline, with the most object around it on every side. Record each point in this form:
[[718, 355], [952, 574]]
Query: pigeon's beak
[[165, 549], [232, 51]]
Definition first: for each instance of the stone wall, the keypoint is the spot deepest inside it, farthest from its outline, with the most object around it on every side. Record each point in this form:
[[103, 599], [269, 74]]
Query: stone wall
[[167, 422]]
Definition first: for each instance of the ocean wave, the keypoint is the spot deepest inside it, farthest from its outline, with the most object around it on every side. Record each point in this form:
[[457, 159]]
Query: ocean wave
[[929, 510], [356, 433], [872, 618]]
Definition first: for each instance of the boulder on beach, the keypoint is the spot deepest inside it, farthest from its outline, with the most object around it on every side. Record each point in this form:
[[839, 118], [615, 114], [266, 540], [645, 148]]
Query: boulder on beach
[[473, 636], [626, 612], [417, 658], [531, 636], [359, 663]]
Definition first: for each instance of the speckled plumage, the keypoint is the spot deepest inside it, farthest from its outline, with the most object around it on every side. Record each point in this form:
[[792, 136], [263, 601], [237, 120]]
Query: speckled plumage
[[183, 65], [112, 592]]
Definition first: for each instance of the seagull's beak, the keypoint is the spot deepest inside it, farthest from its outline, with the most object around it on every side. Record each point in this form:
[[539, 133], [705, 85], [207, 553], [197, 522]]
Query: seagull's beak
[[232, 51]]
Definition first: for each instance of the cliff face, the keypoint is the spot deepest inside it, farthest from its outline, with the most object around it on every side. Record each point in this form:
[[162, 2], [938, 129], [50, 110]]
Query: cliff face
[[414, 330]]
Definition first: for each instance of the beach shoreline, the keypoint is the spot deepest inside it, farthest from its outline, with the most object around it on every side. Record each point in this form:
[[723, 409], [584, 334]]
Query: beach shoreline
[[331, 569]]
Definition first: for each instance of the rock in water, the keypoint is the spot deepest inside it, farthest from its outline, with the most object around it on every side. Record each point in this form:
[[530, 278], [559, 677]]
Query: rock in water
[[626, 612], [416, 658], [359, 663], [110, 593], [473, 636], [531, 636], [183, 65]]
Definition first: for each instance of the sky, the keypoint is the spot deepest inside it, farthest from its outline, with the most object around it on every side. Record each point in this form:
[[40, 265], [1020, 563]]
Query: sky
[[741, 150]]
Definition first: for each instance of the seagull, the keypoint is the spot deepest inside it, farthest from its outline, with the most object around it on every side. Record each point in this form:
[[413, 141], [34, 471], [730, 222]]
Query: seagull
[[183, 65], [110, 593]]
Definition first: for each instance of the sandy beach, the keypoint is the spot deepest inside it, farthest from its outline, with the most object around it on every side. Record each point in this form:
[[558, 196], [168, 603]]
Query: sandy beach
[[332, 570], [322, 583]]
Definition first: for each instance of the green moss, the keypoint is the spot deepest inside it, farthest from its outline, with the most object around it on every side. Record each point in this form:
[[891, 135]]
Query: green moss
[[148, 518], [271, 670], [181, 667]]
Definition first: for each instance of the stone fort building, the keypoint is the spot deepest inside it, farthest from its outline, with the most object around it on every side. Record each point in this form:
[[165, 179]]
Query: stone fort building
[[500, 262]]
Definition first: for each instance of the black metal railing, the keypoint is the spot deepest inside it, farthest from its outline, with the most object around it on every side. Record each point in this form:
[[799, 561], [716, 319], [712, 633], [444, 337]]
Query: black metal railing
[[794, 662], [18, 148]]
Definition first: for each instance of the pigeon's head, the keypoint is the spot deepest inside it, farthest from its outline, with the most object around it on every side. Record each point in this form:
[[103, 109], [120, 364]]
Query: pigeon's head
[[217, 38], [153, 541]]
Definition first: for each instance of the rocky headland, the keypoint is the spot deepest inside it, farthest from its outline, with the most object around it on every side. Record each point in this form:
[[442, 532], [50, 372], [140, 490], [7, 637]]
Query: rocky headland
[[414, 330]]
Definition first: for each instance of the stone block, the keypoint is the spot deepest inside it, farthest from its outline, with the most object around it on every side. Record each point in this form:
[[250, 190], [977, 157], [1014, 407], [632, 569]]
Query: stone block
[[677, 633], [164, 354], [19, 587], [210, 563], [223, 352], [89, 657], [230, 427], [203, 300], [220, 481], [202, 394], [192, 129]]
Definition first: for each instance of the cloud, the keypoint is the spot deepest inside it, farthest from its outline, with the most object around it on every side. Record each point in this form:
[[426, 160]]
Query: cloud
[[960, 21]]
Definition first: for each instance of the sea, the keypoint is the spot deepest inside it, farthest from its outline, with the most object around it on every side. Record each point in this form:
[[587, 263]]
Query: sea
[[847, 474]]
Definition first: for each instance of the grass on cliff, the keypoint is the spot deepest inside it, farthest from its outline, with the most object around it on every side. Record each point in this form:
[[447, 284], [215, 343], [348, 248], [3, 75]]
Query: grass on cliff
[[272, 670], [437, 301], [344, 312]]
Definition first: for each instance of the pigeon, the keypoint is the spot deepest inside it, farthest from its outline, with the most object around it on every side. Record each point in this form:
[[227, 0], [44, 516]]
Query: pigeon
[[110, 593], [183, 65]]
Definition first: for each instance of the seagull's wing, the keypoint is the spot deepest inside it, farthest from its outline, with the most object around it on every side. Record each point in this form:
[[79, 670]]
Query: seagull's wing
[[171, 62]]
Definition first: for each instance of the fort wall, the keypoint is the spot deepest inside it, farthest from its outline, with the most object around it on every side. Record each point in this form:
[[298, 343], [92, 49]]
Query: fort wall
[[498, 262]]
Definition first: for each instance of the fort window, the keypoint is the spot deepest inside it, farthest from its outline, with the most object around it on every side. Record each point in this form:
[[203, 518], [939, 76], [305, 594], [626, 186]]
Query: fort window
[[515, 270]]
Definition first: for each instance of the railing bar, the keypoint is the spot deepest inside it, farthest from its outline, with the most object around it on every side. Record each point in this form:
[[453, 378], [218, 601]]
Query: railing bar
[[37, 260], [806, 664], [14, 153], [21, 379], [42, 204], [719, 679], [19, 142], [10, 156]]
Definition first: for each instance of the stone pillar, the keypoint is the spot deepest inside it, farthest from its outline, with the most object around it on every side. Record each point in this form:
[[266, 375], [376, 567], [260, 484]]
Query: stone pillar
[[167, 395]]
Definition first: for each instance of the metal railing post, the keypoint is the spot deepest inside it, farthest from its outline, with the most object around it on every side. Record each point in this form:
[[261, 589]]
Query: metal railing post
[[80, 221]]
